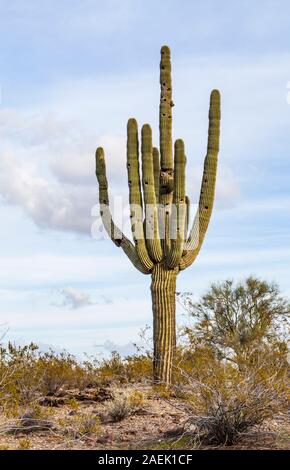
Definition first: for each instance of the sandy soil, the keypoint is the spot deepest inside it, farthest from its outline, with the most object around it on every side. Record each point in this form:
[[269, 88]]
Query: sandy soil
[[157, 425]]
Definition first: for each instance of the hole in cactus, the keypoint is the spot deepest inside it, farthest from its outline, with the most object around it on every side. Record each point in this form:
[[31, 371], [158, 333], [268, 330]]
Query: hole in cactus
[[146, 182], [168, 89], [164, 84], [205, 180], [163, 114], [206, 207], [130, 182]]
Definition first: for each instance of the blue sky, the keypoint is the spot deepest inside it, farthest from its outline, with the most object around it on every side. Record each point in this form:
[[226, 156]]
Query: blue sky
[[72, 73]]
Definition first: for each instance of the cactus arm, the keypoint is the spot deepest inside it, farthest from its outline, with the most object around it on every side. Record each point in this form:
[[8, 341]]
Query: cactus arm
[[135, 195], [113, 231], [151, 214], [178, 216], [156, 167], [165, 112], [166, 159], [207, 192], [187, 218]]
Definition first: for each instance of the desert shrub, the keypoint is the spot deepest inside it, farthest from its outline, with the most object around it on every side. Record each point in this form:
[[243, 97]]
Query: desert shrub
[[24, 444], [112, 369], [232, 369], [239, 322], [139, 368], [162, 391], [30, 420], [193, 359], [4, 447], [119, 408], [134, 368], [86, 424], [137, 399], [79, 425], [125, 404], [73, 404], [19, 377], [35, 412], [229, 402], [26, 374], [61, 370]]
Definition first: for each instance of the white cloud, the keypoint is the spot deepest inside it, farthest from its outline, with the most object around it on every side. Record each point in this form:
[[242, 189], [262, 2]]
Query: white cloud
[[75, 299], [123, 349], [48, 204], [30, 144], [47, 157], [53, 181]]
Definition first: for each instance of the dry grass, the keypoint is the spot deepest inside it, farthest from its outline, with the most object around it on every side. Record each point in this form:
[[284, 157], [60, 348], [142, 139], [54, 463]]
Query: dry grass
[[161, 425], [53, 402], [222, 414]]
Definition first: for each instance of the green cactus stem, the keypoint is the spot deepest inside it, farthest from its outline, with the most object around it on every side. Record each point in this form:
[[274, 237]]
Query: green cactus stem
[[163, 245]]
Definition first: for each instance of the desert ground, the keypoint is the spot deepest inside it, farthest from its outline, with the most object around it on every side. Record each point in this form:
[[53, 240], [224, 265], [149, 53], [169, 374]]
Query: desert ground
[[74, 419]]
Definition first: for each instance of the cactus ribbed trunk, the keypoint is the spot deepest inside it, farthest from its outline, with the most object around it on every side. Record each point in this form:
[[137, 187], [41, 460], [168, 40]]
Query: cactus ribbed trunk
[[163, 288]]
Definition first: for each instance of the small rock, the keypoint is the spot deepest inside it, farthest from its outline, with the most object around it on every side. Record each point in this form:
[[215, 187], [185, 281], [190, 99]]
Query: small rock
[[52, 401], [28, 425]]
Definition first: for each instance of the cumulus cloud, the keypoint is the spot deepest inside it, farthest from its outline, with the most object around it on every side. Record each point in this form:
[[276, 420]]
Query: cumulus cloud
[[48, 204], [52, 179], [123, 349], [29, 146], [47, 157], [75, 299]]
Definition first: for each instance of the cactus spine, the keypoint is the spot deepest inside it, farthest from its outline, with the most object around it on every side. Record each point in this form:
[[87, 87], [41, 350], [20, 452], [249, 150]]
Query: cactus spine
[[163, 211]]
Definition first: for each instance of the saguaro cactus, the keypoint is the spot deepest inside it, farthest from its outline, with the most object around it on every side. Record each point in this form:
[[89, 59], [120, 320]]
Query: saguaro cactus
[[162, 244]]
